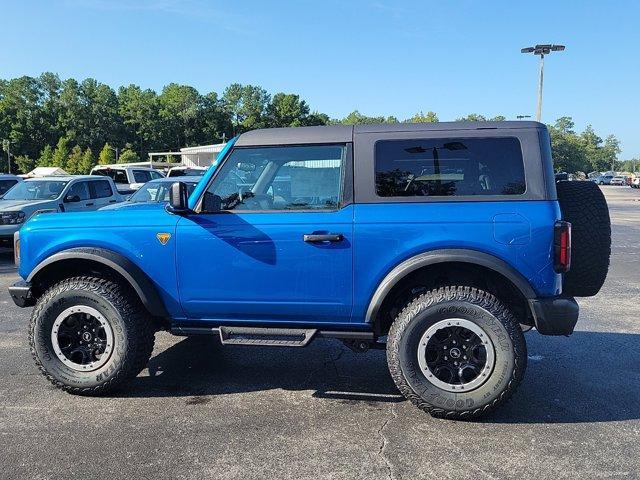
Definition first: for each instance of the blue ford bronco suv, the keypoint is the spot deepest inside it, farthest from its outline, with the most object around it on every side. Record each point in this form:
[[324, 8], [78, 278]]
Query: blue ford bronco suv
[[440, 242]]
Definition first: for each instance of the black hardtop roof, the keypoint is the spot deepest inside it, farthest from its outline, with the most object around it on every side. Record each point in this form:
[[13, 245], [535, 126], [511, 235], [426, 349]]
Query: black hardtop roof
[[344, 133]]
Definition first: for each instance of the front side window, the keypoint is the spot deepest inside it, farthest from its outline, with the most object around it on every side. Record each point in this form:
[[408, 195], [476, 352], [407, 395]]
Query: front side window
[[441, 167], [79, 189], [281, 178]]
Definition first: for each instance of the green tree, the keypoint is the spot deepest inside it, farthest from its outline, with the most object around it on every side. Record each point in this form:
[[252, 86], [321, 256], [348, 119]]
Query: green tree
[[46, 157], [89, 113], [216, 120], [74, 161], [611, 150], [140, 113], [420, 117], [567, 149], [317, 118], [287, 110], [472, 117], [87, 162], [106, 156], [61, 153], [25, 164], [180, 108], [128, 156], [565, 125], [356, 118], [247, 105]]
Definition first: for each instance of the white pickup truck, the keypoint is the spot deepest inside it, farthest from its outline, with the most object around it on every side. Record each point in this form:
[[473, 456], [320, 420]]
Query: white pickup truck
[[128, 179]]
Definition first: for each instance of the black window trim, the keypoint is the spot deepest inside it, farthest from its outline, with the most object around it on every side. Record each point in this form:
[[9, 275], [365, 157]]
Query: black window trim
[[346, 187]]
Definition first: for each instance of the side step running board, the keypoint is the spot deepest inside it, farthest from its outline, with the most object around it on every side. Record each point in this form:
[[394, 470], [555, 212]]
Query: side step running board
[[275, 337]]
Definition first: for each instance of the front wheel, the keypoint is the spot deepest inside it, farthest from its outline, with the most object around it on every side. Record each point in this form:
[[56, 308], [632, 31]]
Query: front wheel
[[89, 335], [456, 352]]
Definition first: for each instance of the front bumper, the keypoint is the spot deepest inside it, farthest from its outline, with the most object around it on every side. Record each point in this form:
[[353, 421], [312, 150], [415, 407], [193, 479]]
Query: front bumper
[[6, 234], [555, 315], [21, 294]]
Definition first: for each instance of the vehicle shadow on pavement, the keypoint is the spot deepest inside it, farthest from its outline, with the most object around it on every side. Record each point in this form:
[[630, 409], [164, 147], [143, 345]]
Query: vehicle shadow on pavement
[[201, 366], [589, 377]]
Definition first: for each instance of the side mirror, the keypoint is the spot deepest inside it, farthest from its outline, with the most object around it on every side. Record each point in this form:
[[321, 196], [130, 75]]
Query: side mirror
[[178, 198], [72, 198], [211, 203]]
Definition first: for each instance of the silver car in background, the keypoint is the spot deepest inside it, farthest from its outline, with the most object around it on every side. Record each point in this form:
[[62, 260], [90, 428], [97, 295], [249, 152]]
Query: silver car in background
[[52, 195]]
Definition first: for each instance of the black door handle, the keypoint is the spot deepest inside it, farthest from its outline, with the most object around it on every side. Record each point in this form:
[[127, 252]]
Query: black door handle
[[317, 238], [89, 204]]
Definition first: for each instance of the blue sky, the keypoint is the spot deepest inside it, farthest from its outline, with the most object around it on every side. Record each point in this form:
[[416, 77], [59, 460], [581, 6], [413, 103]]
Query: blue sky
[[377, 56]]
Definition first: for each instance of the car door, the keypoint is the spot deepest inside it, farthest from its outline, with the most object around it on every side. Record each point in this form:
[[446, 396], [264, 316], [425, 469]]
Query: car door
[[102, 193], [78, 198], [281, 247]]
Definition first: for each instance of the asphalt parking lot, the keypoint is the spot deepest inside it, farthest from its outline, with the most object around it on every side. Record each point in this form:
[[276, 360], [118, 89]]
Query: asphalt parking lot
[[204, 411]]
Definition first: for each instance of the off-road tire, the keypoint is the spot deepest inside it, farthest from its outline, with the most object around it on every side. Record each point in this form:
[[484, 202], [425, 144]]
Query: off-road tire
[[133, 333], [584, 206], [484, 310]]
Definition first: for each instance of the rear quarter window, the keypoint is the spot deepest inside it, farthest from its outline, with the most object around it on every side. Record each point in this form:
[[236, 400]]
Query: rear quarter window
[[444, 167], [101, 189], [117, 175]]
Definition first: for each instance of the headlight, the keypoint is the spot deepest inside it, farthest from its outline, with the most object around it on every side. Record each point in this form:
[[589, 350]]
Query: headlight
[[12, 218]]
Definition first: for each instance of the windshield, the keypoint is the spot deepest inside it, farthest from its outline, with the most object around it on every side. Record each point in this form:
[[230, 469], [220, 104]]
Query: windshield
[[156, 192], [5, 185], [36, 190]]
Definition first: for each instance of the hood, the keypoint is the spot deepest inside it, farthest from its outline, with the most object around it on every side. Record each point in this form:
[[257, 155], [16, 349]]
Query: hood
[[105, 219], [13, 205], [135, 205]]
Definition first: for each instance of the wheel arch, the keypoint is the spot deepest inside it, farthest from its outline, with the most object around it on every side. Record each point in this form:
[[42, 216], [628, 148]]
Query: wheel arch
[[443, 260], [81, 260]]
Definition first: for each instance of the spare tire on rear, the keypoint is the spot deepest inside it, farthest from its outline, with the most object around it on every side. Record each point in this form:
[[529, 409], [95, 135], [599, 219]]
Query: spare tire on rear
[[584, 206]]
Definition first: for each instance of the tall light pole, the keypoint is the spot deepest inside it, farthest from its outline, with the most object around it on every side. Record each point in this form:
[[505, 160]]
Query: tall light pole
[[541, 50], [115, 149]]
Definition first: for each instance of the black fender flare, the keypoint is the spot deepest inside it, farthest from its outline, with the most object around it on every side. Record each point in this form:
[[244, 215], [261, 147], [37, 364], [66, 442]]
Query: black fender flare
[[445, 256], [137, 278]]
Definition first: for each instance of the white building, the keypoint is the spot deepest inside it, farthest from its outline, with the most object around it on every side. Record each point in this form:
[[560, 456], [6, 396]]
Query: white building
[[201, 156], [45, 172]]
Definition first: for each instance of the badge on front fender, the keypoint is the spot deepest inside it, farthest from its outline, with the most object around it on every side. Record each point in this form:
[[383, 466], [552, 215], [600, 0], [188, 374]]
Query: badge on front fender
[[163, 238]]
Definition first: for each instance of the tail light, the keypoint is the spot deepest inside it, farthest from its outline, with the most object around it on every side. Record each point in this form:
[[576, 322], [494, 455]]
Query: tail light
[[562, 246]]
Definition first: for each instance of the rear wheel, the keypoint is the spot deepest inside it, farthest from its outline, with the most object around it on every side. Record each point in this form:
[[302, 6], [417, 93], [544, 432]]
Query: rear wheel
[[89, 335], [456, 352]]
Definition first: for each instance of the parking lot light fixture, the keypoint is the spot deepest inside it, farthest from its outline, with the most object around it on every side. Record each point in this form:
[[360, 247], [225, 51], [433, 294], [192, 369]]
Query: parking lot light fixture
[[541, 50]]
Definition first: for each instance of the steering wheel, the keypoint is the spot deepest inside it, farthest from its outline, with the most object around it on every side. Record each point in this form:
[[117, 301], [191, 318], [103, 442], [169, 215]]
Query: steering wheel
[[250, 201]]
